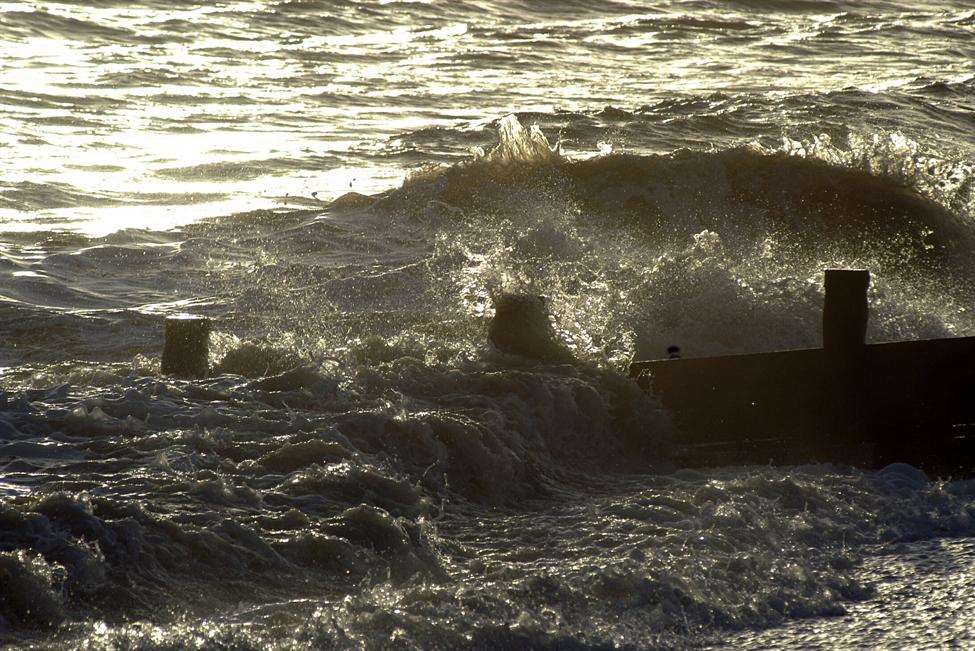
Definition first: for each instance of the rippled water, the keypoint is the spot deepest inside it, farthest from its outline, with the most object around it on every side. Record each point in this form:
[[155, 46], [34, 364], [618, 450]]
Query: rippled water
[[184, 109], [363, 469]]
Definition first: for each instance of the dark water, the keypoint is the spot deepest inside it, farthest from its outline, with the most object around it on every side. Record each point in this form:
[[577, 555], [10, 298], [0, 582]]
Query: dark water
[[670, 173]]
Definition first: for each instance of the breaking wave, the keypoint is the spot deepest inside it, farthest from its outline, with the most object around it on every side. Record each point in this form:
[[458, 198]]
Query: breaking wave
[[381, 472]]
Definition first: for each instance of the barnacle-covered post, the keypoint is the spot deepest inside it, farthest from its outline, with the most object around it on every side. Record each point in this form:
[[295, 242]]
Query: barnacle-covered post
[[186, 351]]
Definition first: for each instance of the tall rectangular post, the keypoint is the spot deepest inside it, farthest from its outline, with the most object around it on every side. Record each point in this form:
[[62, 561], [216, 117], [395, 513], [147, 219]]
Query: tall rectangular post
[[847, 413], [845, 311]]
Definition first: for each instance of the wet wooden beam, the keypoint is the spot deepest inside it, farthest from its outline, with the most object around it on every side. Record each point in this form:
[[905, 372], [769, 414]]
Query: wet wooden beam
[[848, 401]]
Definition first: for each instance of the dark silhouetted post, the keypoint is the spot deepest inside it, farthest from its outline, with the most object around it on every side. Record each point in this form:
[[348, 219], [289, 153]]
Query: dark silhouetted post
[[846, 402], [521, 326], [186, 352], [845, 311], [845, 315]]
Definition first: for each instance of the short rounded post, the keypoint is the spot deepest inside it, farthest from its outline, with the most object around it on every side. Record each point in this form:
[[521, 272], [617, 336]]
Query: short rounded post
[[186, 351]]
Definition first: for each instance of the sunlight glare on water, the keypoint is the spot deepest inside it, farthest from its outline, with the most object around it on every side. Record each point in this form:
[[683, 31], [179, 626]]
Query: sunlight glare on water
[[267, 99]]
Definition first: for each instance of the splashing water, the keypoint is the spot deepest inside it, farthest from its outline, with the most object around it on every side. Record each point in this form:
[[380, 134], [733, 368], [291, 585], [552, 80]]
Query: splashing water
[[365, 469], [388, 489]]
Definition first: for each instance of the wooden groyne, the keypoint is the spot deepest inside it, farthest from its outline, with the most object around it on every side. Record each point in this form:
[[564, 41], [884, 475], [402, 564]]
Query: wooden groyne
[[847, 402]]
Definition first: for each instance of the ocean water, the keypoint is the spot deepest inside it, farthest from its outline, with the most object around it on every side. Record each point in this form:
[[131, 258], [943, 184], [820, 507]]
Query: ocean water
[[342, 187]]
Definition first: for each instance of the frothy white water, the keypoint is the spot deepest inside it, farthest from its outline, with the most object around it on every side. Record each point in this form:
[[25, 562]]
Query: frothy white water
[[364, 470], [410, 485], [922, 594]]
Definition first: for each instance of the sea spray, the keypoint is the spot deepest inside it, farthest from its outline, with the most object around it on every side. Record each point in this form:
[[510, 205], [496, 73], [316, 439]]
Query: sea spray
[[368, 460]]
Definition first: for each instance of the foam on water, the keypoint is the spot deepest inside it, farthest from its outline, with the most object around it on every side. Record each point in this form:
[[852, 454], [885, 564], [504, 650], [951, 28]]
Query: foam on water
[[366, 470], [923, 590]]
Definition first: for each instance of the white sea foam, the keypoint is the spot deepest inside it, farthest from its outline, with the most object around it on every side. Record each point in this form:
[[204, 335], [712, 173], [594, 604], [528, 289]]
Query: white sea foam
[[364, 469]]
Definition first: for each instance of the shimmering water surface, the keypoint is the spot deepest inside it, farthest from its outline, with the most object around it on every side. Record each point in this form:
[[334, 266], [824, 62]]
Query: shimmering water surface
[[363, 470]]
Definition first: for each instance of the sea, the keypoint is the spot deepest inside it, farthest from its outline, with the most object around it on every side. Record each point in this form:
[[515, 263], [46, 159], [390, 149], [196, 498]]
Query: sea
[[344, 188]]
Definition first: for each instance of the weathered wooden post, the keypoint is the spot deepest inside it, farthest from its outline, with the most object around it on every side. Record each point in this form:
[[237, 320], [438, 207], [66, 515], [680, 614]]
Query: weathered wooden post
[[845, 311], [847, 402], [186, 351], [521, 326], [845, 314]]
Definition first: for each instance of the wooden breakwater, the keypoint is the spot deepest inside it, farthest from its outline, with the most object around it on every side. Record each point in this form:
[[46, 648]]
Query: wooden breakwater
[[847, 402]]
